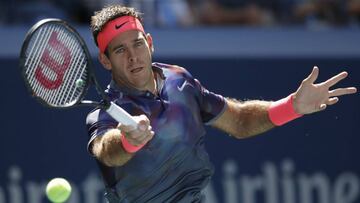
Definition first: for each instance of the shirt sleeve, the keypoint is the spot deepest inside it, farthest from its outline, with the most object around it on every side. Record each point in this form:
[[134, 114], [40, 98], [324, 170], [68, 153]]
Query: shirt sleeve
[[97, 123], [211, 105]]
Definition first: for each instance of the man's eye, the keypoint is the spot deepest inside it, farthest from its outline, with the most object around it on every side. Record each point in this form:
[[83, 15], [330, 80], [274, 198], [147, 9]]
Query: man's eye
[[119, 50], [139, 43]]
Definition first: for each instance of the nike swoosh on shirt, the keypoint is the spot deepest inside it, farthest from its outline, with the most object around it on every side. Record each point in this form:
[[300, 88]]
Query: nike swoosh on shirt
[[119, 26], [185, 83]]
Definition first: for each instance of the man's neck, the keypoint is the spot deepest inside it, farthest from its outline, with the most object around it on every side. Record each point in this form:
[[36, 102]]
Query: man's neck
[[152, 86]]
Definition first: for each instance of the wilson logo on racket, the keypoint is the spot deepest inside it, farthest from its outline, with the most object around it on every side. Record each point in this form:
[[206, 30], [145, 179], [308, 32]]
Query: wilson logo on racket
[[48, 61], [54, 55]]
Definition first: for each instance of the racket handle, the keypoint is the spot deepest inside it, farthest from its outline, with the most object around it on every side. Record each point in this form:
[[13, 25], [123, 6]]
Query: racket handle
[[121, 115]]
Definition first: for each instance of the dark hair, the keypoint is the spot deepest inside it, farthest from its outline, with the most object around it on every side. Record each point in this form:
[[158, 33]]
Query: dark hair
[[108, 13]]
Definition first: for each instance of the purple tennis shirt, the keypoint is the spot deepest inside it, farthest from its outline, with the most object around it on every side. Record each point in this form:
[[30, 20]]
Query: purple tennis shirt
[[174, 165]]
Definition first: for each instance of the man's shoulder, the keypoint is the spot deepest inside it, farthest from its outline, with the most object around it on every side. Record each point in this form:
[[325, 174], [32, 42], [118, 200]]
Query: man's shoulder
[[93, 115], [97, 114], [172, 70]]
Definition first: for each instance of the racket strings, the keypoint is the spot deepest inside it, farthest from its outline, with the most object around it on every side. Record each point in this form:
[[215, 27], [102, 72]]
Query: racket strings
[[61, 96], [56, 69], [34, 57], [68, 92], [75, 91], [47, 71], [43, 62]]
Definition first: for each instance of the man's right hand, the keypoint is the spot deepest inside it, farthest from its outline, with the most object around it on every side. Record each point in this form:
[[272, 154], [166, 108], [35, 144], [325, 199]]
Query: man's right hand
[[140, 135]]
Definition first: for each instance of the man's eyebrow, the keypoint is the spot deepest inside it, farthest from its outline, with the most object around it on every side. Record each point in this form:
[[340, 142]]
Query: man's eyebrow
[[122, 45], [117, 47], [138, 39]]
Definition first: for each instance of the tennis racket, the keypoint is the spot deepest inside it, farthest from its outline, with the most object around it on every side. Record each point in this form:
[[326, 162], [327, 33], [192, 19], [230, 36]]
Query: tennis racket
[[57, 69]]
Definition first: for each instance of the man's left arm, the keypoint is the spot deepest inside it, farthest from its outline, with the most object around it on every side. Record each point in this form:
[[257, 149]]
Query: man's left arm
[[243, 119], [248, 118]]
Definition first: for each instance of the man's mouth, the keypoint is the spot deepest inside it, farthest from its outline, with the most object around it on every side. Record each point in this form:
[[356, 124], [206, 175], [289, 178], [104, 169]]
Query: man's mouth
[[136, 70]]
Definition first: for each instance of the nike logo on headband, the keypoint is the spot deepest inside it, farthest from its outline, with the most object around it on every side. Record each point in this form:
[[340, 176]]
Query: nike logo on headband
[[119, 26]]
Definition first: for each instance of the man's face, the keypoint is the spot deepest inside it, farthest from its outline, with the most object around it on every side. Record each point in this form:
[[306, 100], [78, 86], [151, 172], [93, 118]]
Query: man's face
[[130, 60]]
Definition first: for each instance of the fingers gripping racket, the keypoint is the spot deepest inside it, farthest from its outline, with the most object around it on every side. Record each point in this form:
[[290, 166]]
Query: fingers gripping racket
[[57, 69]]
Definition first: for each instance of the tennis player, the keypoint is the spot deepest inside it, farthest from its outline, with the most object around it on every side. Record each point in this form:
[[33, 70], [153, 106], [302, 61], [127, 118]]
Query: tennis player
[[163, 159]]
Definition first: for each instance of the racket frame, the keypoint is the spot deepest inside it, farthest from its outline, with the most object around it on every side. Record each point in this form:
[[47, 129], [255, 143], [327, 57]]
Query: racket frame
[[110, 107], [91, 79]]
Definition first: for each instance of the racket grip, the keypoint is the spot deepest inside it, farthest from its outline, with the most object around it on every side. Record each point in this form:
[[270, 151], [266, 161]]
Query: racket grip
[[121, 115]]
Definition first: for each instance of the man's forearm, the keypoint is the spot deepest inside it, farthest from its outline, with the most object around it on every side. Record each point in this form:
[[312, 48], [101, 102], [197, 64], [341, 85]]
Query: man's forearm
[[108, 149], [244, 119]]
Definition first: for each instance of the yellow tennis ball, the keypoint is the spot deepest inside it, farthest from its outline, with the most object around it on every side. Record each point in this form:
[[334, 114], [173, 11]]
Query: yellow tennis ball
[[79, 83], [58, 190]]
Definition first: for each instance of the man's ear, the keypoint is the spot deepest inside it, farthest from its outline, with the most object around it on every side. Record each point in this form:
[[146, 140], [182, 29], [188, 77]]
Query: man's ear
[[104, 60], [150, 42]]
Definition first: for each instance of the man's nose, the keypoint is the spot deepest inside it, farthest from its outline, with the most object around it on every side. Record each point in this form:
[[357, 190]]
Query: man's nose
[[132, 56]]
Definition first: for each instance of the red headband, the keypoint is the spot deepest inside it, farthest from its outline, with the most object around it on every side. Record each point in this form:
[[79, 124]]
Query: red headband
[[116, 27]]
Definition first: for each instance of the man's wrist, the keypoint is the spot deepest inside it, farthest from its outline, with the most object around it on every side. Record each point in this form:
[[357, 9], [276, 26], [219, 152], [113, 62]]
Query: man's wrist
[[128, 147], [282, 111]]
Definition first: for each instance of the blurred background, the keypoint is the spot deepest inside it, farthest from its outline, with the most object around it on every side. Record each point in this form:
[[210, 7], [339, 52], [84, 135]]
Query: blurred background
[[189, 13], [245, 49]]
